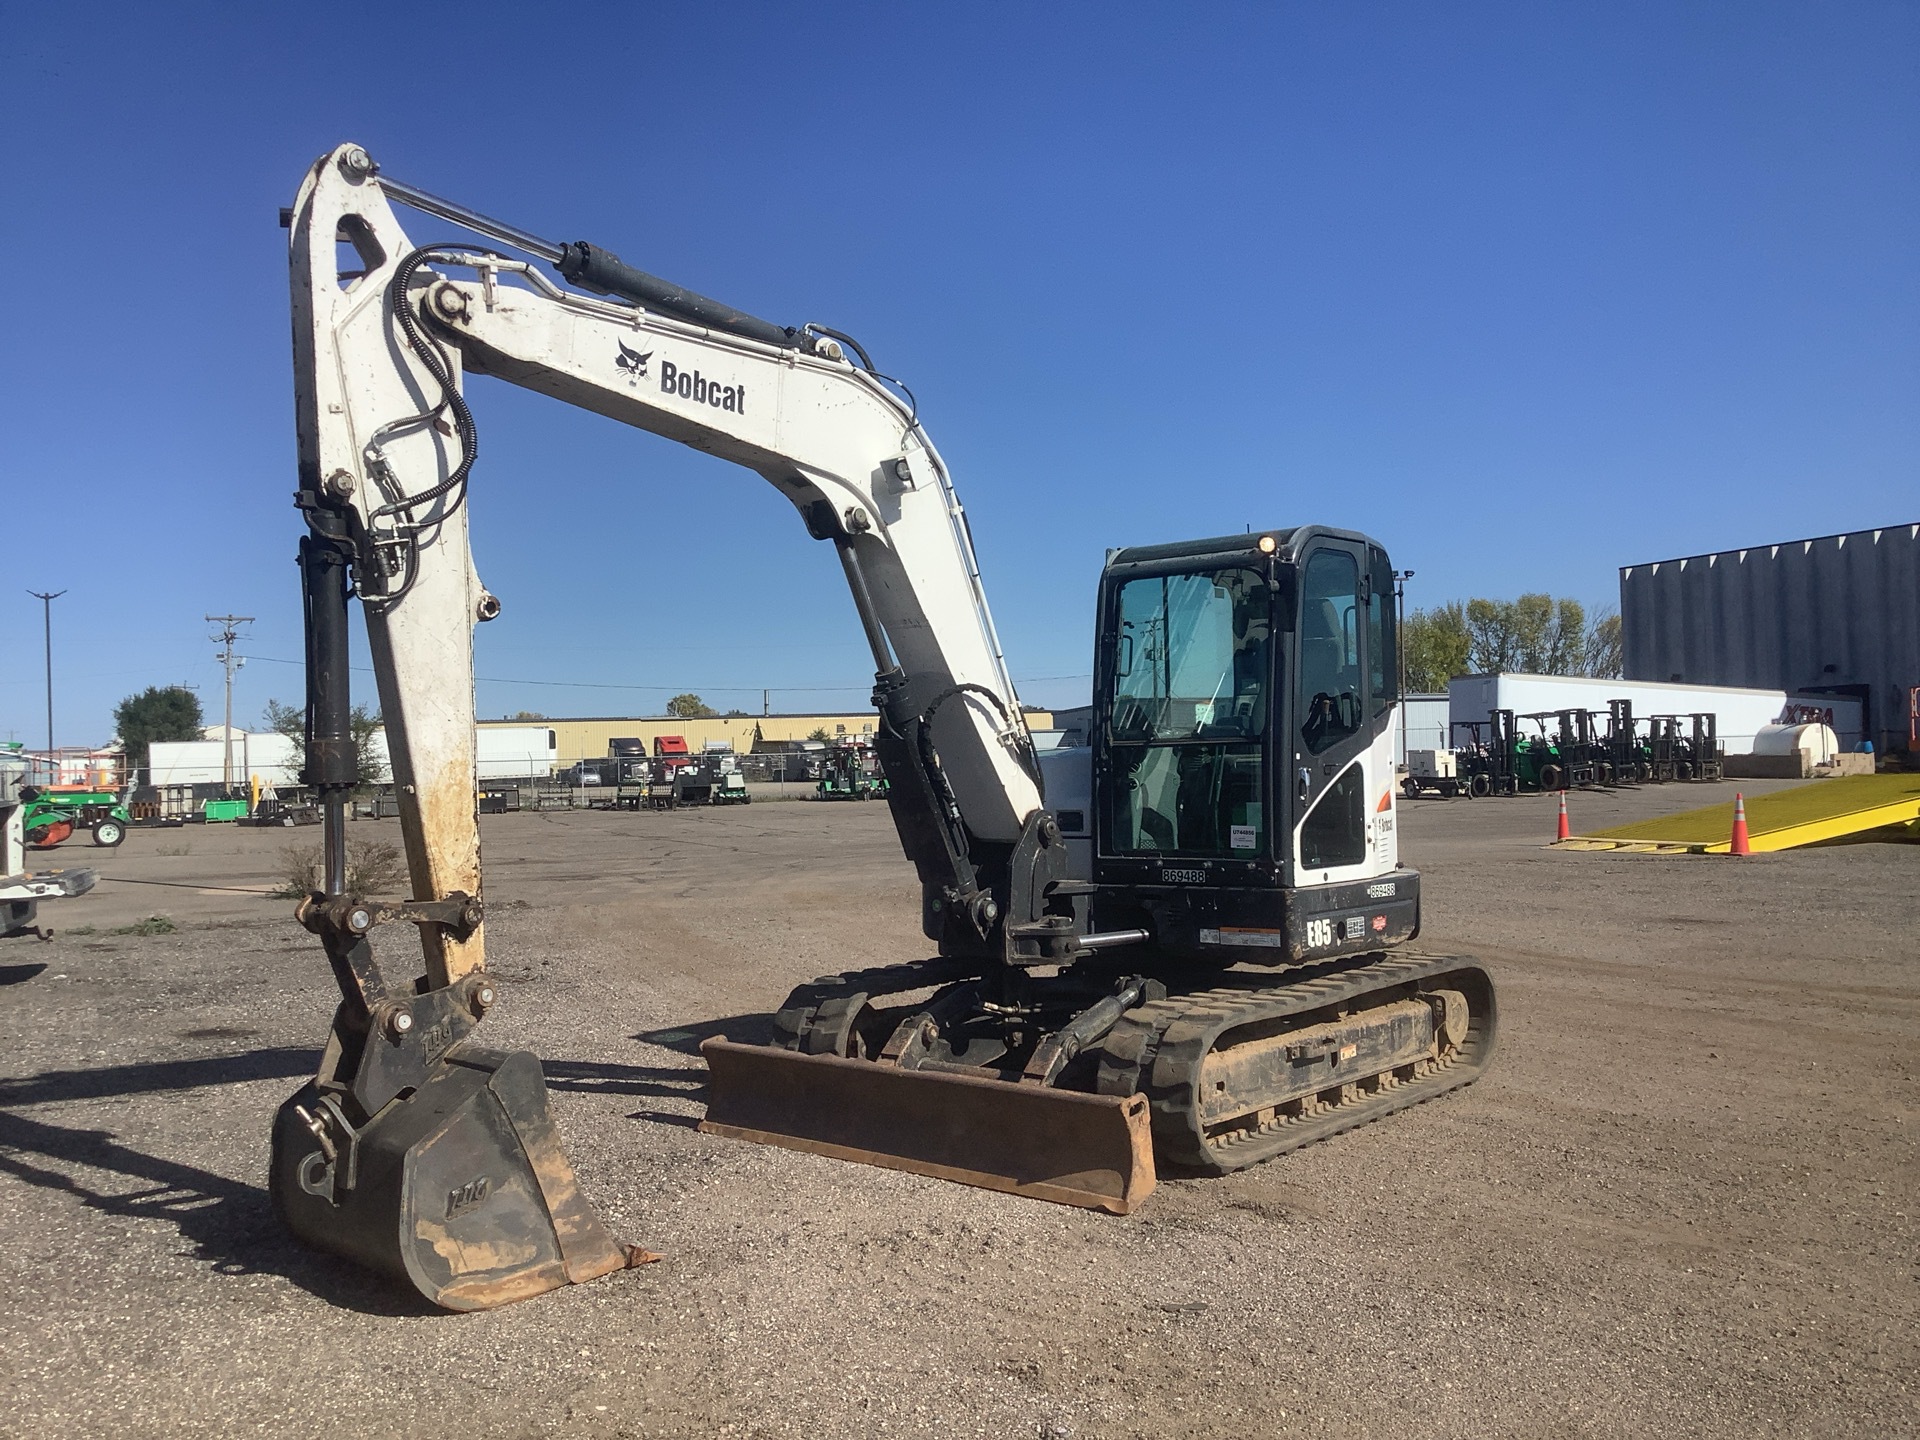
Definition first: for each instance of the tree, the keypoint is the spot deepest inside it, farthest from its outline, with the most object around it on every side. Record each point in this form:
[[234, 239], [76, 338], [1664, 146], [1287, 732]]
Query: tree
[[369, 768], [736, 715], [689, 707], [1434, 644], [159, 712], [1534, 635], [819, 732], [1606, 653], [287, 720], [526, 715]]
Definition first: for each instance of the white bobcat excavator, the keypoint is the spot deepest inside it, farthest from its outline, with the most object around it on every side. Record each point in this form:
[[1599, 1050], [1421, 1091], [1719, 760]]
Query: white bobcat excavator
[[1183, 960]]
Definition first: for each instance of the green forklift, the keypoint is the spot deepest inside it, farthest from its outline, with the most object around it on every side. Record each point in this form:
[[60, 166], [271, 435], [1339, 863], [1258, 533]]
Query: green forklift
[[850, 772]]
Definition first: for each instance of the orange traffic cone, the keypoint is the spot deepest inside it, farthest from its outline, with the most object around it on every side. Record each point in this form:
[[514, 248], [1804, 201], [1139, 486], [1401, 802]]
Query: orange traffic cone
[[1740, 845], [1564, 832]]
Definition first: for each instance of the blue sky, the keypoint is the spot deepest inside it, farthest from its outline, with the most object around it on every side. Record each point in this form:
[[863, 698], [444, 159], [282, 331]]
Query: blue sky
[[1529, 292]]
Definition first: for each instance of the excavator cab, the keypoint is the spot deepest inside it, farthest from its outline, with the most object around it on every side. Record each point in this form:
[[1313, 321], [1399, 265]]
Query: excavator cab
[[1242, 766]]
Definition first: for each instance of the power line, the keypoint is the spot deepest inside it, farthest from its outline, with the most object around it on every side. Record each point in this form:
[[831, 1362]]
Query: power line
[[674, 689]]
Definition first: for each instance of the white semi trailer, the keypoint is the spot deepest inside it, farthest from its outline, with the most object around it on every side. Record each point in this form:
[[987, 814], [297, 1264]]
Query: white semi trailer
[[1742, 714]]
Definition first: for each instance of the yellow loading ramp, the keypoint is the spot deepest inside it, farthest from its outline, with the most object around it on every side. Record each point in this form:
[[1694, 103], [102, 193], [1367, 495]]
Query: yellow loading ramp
[[1805, 815]]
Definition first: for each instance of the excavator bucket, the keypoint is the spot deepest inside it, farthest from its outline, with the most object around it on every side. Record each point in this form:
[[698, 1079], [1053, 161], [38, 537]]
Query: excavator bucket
[[459, 1188], [1094, 1151]]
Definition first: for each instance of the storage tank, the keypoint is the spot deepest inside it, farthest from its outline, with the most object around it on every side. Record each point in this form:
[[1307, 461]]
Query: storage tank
[[1815, 744]]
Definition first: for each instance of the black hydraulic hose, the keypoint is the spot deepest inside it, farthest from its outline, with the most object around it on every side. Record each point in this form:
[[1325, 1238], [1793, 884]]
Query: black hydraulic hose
[[1029, 762], [450, 397], [846, 340]]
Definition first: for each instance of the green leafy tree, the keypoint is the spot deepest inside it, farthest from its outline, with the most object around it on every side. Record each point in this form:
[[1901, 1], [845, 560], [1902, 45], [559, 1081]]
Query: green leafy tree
[[819, 732], [526, 715], [160, 712], [369, 768], [1534, 635], [1435, 645], [689, 707]]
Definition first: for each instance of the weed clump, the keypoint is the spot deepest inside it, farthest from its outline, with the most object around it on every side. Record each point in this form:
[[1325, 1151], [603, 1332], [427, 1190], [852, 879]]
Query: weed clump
[[374, 867], [152, 925]]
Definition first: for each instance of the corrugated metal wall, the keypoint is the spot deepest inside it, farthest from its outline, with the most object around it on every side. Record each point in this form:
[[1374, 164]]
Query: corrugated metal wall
[[1839, 610]]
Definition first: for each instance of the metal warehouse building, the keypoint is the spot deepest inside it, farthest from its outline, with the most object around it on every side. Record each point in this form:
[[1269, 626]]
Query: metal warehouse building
[[1840, 614]]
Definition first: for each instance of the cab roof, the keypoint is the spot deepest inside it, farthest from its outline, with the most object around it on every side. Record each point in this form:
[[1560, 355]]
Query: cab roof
[[1289, 544]]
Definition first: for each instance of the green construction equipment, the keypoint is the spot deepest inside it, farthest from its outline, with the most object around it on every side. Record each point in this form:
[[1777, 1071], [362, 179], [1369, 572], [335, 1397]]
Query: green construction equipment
[[1847, 807], [52, 813], [849, 771]]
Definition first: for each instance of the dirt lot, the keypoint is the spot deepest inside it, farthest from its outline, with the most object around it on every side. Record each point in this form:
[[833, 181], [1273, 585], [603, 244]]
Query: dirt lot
[[1683, 1203]]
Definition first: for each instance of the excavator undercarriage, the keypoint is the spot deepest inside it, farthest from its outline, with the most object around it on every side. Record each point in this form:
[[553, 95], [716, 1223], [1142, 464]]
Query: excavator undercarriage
[[1046, 1090]]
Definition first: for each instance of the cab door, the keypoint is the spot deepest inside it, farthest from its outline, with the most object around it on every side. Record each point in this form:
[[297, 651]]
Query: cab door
[[1343, 690]]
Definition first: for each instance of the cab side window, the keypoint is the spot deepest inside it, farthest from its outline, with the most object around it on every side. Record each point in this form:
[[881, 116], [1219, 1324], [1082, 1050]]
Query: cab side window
[[1330, 619], [1383, 640]]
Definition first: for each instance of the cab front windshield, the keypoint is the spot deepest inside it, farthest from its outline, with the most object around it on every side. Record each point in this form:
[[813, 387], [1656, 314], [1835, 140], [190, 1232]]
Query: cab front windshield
[[1192, 670]]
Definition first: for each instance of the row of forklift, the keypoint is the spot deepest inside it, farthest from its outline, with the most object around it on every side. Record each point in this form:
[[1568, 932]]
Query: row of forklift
[[1548, 750]]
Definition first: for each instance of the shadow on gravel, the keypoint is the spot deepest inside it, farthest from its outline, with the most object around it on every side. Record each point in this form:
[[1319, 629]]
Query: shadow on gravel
[[14, 974], [751, 1029], [281, 1063], [594, 1078], [677, 1082], [231, 1224]]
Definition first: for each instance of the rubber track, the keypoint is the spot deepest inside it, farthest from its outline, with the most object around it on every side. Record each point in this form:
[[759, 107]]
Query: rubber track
[[1158, 1049]]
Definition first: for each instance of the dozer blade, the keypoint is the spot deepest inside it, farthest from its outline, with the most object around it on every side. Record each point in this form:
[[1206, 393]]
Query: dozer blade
[[1094, 1151], [461, 1188]]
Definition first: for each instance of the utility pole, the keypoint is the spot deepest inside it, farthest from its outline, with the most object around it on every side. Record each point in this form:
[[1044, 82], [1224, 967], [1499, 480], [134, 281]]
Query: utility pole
[[46, 619], [1400, 578], [230, 663]]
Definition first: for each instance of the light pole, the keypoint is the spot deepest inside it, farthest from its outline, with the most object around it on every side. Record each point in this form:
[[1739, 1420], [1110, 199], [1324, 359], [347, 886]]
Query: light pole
[[1400, 578], [46, 600]]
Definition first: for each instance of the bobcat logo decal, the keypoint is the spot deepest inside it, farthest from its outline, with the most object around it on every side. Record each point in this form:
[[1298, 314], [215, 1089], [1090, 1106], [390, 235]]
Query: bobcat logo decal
[[632, 362]]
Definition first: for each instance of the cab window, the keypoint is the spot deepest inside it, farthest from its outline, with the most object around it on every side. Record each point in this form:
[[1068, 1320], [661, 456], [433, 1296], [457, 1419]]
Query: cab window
[[1330, 620], [1383, 640]]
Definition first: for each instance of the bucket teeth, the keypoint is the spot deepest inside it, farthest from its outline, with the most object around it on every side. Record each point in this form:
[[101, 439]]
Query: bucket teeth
[[1094, 1151]]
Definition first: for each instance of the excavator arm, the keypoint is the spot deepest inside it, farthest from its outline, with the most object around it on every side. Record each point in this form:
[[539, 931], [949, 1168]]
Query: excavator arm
[[416, 1151]]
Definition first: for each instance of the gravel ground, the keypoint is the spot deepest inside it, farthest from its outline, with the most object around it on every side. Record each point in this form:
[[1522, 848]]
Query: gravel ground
[[1682, 1203]]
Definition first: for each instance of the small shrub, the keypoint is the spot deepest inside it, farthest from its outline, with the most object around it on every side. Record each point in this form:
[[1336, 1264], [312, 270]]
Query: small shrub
[[373, 868], [152, 925]]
